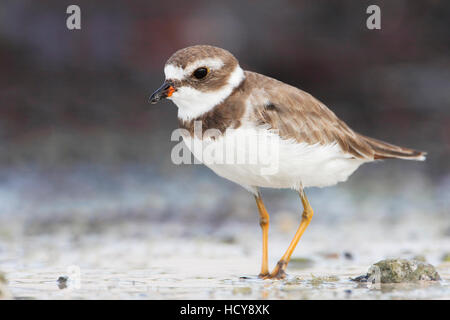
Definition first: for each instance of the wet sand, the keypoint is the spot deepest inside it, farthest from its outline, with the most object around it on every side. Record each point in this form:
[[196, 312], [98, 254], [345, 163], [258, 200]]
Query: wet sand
[[121, 263], [136, 233]]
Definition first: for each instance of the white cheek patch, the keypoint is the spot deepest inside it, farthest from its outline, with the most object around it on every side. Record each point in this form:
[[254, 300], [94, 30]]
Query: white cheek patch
[[177, 73], [192, 103]]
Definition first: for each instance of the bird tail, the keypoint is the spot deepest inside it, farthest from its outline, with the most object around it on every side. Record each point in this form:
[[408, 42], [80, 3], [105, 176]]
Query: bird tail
[[384, 150]]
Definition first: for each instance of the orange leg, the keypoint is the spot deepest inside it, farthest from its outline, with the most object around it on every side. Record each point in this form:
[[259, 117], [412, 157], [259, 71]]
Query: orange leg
[[264, 223], [279, 271]]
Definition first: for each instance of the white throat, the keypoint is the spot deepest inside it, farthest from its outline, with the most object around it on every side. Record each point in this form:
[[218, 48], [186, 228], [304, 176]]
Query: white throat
[[193, 103]]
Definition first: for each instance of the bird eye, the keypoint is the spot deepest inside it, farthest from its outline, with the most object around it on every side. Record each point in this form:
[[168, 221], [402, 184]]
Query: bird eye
[[200, 73]]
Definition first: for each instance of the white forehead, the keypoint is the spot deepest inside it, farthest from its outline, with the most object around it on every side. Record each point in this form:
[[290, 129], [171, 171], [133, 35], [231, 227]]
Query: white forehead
[[177, 73]]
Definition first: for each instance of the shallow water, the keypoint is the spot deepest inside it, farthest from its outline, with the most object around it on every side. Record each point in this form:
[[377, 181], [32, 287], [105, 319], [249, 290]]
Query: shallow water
[[133, 233], [121, 263]]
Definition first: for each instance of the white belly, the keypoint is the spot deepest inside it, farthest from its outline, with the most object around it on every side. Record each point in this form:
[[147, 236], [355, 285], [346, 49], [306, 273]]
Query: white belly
[[274, 162]]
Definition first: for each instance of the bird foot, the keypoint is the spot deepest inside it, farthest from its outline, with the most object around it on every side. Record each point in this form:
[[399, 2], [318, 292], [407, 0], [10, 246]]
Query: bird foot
[[277, 274]]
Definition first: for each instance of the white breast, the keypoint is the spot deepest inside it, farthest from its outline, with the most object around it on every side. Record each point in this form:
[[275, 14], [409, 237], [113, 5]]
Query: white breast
[[269, 161]]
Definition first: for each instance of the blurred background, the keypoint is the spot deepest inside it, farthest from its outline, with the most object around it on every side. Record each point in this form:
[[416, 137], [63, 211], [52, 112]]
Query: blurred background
[[82, 151]]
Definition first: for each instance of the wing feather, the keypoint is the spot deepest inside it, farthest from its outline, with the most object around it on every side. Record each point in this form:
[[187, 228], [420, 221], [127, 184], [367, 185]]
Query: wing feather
[[299, 116]]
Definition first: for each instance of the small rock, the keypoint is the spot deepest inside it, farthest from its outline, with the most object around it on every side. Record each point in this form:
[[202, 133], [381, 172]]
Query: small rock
[[399, 270], [62, 282], [348, 255]]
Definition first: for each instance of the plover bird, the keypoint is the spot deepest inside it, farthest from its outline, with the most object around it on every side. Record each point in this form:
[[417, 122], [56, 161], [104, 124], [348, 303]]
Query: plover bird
[[314, 147]]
